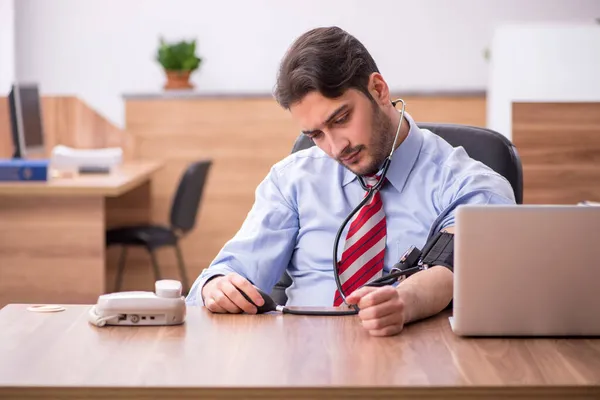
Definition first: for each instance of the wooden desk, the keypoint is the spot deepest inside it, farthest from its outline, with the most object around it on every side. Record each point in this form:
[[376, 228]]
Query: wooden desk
[[52, 234], [280, 356], [129, 176]]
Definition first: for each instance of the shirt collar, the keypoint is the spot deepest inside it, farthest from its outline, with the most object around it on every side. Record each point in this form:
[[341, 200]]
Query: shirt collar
[[403, 159]]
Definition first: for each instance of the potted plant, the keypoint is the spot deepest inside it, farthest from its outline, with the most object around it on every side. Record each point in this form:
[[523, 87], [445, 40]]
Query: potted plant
[[179, 60]]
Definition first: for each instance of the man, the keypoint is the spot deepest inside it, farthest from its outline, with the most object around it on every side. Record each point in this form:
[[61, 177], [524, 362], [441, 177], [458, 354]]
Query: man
[[334, 91]]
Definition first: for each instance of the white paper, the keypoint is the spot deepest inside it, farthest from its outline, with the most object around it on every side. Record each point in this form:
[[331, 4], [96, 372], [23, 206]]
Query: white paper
[[63, 156]]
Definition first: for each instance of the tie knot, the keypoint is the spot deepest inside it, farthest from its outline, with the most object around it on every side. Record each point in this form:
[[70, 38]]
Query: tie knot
[[371, 180]]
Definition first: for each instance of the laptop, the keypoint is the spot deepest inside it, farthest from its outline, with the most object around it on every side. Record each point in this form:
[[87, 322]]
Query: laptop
[[526, 270]]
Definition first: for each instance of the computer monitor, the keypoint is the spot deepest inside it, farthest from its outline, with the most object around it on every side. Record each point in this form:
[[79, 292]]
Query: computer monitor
[[26, 120]]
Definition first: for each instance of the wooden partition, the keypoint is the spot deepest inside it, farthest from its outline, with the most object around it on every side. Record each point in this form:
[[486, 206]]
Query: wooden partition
[[69, 121], [559, 145], [244, 136]]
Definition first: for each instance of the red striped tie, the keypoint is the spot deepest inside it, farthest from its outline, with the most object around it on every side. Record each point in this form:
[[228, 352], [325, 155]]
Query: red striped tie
[[364, 249]]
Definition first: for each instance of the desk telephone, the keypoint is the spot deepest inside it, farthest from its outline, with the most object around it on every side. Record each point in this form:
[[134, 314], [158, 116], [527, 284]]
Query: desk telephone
[[164, 307]]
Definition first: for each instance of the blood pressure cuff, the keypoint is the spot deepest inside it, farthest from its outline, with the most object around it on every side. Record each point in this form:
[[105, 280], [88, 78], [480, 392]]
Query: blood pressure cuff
[[439, 251]]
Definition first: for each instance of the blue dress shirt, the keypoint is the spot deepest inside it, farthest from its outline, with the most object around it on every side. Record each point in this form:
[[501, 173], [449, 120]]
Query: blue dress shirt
[[303, 200]]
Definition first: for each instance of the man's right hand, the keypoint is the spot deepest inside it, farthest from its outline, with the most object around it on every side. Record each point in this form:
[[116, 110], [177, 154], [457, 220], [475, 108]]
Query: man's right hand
[[221, 295]]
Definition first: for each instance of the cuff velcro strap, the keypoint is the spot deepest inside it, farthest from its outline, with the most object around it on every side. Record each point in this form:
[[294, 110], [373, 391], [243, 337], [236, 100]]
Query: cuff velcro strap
[[440, 251]]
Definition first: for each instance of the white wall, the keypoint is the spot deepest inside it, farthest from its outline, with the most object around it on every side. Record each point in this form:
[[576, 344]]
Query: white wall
[[100, 49], [541, 63], [7, 46]]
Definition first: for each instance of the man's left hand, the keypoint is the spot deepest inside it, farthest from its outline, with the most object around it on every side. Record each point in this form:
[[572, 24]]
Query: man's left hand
[[382, 309]]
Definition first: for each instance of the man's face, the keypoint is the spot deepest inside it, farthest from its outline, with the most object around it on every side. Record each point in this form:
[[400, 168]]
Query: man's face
[[351, 129]]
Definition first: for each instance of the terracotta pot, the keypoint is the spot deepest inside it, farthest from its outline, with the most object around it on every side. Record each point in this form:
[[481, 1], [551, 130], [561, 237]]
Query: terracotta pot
[[178, 80]]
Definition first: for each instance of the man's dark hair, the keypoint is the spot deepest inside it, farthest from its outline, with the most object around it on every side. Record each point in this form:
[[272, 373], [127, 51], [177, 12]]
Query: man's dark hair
[[327, 60]]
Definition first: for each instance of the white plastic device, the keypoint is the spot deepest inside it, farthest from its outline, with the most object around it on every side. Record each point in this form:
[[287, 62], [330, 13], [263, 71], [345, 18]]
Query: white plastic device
[[70, 160], [165, 307]]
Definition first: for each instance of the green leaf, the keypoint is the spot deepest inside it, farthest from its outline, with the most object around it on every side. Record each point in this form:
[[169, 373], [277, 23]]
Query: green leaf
[[179, 56]]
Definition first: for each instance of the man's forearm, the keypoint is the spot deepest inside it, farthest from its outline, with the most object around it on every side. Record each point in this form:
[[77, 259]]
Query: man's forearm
[[427, 292]]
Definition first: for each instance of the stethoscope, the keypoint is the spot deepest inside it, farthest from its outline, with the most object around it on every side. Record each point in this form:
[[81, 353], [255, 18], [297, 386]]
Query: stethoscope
[[396, 272]]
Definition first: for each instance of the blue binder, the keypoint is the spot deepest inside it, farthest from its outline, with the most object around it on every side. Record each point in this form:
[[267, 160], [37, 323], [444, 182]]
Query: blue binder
[[18, 169]]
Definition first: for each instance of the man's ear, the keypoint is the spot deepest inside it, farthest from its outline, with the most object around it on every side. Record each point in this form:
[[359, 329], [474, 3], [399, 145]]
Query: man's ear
[[379, 89]]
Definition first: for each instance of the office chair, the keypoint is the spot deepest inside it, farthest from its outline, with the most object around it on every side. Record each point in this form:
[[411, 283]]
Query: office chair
[[184, 209], [481, 144]]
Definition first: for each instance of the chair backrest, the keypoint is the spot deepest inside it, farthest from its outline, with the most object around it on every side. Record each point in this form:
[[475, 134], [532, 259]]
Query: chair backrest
[[481, 144], [186, 201], [487, 146]]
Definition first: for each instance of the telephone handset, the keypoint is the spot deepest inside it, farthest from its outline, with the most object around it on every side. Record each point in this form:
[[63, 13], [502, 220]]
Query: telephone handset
[[165, 307]]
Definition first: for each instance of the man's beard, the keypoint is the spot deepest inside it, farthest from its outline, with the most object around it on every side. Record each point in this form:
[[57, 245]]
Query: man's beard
[[379, 148]]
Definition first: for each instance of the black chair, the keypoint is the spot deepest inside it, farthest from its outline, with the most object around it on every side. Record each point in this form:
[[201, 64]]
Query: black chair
[[184, 210], [481, 144]]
